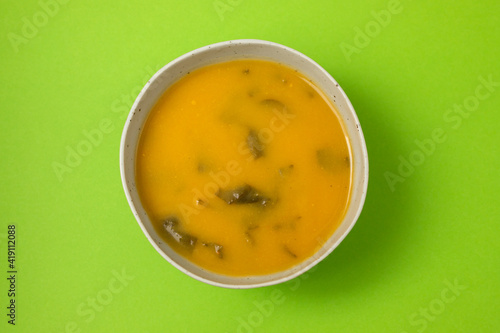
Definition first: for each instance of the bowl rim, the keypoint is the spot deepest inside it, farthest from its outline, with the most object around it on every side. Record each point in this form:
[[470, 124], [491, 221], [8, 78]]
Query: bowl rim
[[361, 144]]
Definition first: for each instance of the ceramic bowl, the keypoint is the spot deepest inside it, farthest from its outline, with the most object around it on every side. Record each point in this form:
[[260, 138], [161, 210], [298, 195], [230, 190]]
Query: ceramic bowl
[[226, 51]]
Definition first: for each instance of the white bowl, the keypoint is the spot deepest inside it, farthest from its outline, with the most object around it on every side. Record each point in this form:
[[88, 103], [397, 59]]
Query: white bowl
[[220, 52]]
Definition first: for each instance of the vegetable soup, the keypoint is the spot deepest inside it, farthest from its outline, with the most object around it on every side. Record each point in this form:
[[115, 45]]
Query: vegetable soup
[[244, 167]]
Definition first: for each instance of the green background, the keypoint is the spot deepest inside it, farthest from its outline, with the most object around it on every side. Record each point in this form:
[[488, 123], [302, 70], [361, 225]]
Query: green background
[[423, 256]]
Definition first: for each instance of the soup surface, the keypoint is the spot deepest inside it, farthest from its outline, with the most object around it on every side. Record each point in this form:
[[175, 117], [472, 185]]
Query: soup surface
[[244, 167]]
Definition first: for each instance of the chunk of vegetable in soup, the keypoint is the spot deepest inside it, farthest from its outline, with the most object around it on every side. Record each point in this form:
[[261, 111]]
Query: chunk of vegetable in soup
[[244, 167]]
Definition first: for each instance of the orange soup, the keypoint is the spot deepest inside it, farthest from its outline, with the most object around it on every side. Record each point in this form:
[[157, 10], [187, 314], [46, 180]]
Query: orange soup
[[244, 167]]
